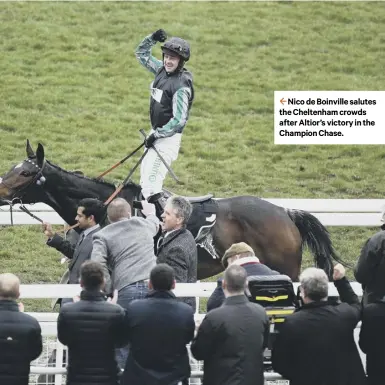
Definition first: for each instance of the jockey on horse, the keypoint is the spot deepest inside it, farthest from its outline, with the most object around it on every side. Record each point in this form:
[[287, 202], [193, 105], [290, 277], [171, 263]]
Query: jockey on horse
[[172, 95]]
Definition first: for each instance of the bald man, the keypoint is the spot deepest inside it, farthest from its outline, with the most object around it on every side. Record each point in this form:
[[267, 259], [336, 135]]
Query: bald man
[[125, 249], [20, 335]]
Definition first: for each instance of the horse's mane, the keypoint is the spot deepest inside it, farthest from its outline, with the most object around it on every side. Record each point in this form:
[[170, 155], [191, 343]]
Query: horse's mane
[[95, 180]]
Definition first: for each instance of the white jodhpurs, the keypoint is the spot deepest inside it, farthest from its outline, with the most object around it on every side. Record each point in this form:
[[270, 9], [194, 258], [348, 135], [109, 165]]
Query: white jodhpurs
[[152, 170]]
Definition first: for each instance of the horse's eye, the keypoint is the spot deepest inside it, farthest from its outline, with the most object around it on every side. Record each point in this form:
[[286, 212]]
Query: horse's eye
[[25, 173]]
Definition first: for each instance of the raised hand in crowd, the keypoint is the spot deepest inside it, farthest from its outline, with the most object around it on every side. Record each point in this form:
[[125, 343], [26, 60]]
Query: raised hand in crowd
[[21, 307], [338, 272]]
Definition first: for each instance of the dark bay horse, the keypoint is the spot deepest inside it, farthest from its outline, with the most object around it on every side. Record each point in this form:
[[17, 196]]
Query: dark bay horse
[[276, 234]]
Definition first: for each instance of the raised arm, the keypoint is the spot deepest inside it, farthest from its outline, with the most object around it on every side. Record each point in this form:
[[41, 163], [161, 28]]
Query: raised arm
[[143, 51], [57, 242], [62, 245], [347, 295], [148, 209], [343, 287]]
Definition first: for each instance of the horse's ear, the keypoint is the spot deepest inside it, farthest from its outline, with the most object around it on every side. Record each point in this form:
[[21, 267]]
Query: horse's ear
[[29, 150], [40, 155]]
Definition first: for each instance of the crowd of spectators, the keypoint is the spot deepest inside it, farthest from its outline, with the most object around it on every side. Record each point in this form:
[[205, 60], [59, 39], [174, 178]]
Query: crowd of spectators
[[127, 326]]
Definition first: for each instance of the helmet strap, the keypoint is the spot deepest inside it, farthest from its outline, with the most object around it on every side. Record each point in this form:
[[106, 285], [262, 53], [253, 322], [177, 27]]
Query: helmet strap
[[181, 64]]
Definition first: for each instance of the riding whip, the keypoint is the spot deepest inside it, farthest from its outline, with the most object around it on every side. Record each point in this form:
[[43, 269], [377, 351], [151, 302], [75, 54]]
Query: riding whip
[[161, 158], [120, 162], [119, 188]]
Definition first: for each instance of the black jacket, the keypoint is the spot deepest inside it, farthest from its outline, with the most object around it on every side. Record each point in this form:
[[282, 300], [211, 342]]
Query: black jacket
[[316, 346], [92, 328], [231, 341], [78, 253], [372, 341], [20, 343], [159, 327], [370, 268], [179, 250], [218, 296], [161, 113]]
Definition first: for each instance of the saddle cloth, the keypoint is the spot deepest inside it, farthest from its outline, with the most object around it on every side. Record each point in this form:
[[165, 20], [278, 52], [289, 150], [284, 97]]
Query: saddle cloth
[[203, 218]]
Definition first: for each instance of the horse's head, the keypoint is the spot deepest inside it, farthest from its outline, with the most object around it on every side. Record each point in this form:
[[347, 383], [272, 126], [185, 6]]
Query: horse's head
[[23, 181]]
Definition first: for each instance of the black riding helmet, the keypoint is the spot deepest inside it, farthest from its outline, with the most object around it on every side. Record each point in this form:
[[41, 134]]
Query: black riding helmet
[[179, 46]]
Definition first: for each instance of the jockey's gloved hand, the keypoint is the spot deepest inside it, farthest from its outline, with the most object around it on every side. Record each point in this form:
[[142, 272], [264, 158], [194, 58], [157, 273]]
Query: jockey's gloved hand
[[149, 141], [159, 35]]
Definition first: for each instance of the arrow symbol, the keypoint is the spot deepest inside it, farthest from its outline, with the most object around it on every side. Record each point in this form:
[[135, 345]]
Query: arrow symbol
[[283, 101]]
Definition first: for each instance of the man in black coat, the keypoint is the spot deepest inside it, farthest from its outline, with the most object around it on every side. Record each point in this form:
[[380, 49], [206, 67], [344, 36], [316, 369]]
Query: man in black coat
[[177, 246], [231, 339], [20, 335], [370, 268], [241, 254], [372, 337], [159, 327], [316, 345], [92, 328], [89, 213]]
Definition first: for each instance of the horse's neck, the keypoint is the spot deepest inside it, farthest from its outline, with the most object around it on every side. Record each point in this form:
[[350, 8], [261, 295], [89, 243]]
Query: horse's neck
[[64, 191]]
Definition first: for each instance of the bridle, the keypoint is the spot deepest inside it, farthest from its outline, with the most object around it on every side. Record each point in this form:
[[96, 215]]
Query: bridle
[[17, 195], [38, 179]]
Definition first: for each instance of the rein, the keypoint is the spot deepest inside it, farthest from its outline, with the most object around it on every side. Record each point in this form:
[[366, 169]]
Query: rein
[[22, 208], [120, 162], [39, 179]]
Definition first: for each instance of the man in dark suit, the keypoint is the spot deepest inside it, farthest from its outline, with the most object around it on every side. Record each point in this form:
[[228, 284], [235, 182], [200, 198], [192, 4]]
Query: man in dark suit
[[243, 255], [159, 327], [20, 335], [89, 213], [372, 337], [177, 246], [92, 328], [316, 345], [370, 268], [232, 338]]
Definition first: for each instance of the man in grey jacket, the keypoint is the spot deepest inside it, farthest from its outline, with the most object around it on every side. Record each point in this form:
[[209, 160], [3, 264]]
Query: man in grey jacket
[[125, 248]]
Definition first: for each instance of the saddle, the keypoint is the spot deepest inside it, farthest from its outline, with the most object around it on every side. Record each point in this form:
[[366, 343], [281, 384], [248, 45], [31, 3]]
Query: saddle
[[202, 219], [198, 199]]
